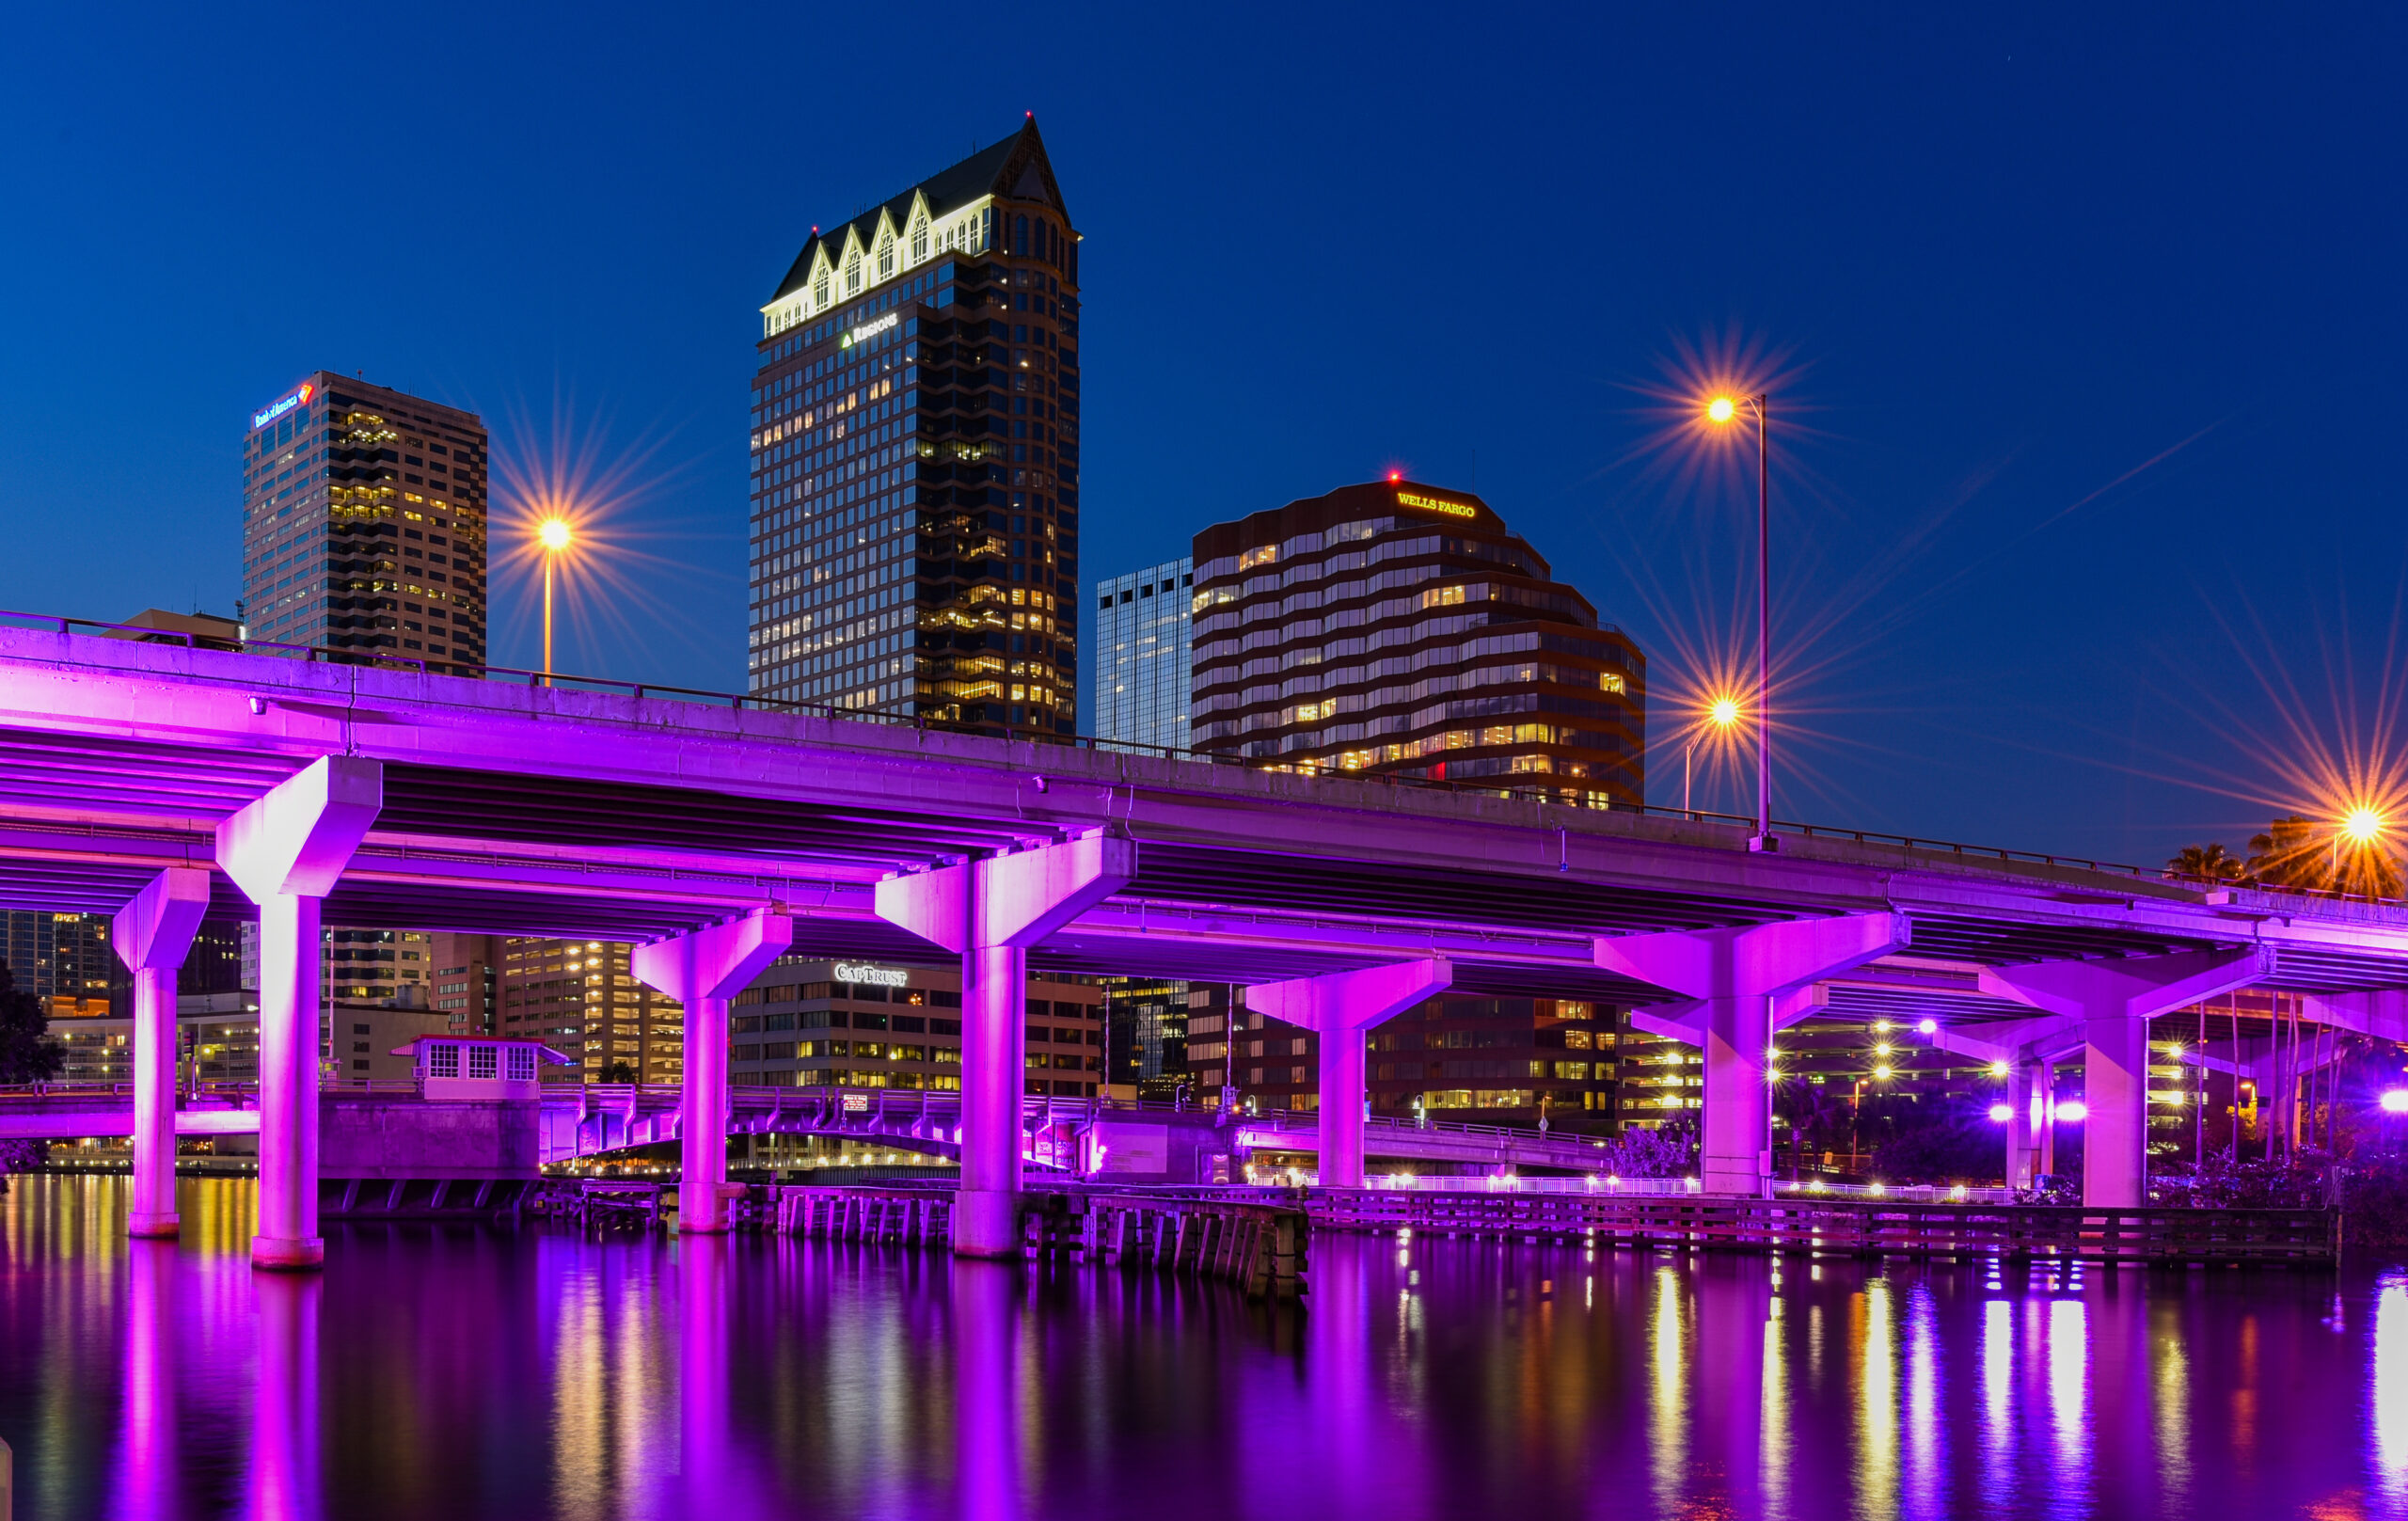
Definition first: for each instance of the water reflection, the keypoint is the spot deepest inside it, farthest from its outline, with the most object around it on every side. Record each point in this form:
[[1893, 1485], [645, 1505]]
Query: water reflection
[[478, 1375]]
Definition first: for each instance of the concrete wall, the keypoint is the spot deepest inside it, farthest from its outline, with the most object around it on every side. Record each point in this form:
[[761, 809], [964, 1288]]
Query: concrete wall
[[1135, 1152], [367, 1137]]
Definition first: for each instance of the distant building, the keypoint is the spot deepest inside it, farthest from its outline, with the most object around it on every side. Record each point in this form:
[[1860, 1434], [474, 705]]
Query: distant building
[[915, 455], [361, 1038], [580, 998], [1140, 654], [467, 982], [1393, 627], [364, 523], [368, 966], [1507, 1061], [1147, 1023], [66, 959], [808, 1023], [199, 631]]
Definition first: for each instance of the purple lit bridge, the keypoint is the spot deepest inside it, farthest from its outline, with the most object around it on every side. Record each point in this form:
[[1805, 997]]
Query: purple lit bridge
[[164, 784]]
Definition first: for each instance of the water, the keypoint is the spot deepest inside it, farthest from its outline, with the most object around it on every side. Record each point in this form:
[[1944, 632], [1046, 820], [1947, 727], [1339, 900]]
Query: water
[[471, 1374]]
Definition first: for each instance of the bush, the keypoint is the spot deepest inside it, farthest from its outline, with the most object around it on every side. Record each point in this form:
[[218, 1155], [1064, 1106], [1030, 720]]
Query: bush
[[1642, 1154]]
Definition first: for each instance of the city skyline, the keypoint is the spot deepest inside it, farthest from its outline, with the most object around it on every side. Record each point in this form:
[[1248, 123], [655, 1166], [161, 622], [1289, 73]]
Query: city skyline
[[2015, 617]]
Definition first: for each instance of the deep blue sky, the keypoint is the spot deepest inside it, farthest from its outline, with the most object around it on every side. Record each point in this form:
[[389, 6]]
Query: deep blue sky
[[2000, 262]]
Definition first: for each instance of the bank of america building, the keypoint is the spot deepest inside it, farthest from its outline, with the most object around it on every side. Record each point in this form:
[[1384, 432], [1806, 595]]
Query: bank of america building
[[915, 456]]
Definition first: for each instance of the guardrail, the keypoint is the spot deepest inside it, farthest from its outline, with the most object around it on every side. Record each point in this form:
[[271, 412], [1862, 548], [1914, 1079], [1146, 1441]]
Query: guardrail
[[741, 700]]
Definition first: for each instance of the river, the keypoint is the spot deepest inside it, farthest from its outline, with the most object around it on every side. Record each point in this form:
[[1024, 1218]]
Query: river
[[471, 1374]]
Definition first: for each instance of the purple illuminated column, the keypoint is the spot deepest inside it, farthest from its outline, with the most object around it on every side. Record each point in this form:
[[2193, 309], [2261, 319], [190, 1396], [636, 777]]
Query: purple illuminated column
[[702, 970], [1726, 980], [286, 852], [2115, 1001], [990, 911], [2022, 1092], [1342, 1008], [151, 935], [994, 1066]]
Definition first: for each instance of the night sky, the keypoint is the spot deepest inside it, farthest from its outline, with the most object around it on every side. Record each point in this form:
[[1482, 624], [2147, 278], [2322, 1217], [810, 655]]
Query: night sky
[[2083, 332]]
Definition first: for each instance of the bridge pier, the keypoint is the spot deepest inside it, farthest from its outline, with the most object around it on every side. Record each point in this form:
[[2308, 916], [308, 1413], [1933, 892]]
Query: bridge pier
[[1727, 980], [1341, 1009], [702, 970], [151, 935], [2113, 1001], [990, 911], [285, 850]]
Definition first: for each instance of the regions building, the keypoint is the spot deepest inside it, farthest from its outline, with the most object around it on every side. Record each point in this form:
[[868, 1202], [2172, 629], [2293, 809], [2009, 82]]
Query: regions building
[[816, 1023], [1139, 651], [65, 960], [915, 456], [1397, 627], [364, 523], [1146, 1024]]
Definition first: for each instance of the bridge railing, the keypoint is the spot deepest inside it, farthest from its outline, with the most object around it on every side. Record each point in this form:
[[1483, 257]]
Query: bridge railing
[[755, 702]]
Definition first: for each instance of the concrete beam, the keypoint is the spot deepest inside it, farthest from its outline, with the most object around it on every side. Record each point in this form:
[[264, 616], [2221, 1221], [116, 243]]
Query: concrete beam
[[152, 936], [702, 970], [1341, 1007]]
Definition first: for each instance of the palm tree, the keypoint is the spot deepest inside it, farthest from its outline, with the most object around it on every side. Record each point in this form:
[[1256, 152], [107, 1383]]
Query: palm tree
[[2293, 852], [2207, 863]]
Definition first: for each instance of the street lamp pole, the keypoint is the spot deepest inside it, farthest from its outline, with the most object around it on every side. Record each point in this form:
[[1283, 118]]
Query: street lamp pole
[[1764, 626]]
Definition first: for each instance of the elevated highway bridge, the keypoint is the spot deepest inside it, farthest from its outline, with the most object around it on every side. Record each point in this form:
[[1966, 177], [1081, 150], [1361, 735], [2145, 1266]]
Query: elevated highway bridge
[[162, 785]]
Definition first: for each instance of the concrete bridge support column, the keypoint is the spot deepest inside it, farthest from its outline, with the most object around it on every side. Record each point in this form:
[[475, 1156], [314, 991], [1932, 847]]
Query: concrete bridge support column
[[151, 935], [1341, 1009], [2022, 1123], [990, 911], [2115, 1000], [1726, 980], [702, 970], [286, 852]]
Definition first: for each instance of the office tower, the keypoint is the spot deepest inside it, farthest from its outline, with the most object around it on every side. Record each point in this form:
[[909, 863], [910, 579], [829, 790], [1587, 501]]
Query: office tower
[[579, 997], [467, 988], [1393, 627], [807, 1023], [1515, 1060], [65, 960], [915, 458], [1147, 1023], [364, 523], [1138, 649]]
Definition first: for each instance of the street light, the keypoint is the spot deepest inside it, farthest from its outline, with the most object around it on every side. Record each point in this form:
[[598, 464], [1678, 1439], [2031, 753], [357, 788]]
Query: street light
[[553, 534], [1722, 713], [1721, 410]]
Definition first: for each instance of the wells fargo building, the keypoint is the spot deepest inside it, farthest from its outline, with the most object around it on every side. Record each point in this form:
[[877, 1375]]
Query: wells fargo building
[[915, 455], [1398, 627]]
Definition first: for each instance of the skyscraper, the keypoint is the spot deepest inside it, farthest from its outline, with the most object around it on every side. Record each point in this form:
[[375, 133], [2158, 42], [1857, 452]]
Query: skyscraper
[[915, 458], [1394, 627], [580, 997], [1139, 651], [364, 523]]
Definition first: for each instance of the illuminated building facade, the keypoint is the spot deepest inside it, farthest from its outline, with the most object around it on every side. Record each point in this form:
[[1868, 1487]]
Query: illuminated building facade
[[808, 1023], [1146, 1024], [364, 523], [1398, 627], [915, 456], [579, 997], [65, 960], [1514, 1060], [1139, 650]]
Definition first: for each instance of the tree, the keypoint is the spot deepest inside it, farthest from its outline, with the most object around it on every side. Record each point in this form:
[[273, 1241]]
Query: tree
[[2293, 852], [24, 1055], [618, 1072], [2209, 863]]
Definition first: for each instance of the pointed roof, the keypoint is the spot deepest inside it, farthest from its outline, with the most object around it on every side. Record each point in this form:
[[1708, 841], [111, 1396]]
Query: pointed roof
[[1017, 167]]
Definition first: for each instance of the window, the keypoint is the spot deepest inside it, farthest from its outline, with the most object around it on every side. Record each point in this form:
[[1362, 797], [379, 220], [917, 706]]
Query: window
[[522, 1063], [482, 1062], [443, 1061], [919, 240], [853, 275], [885, 258]]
